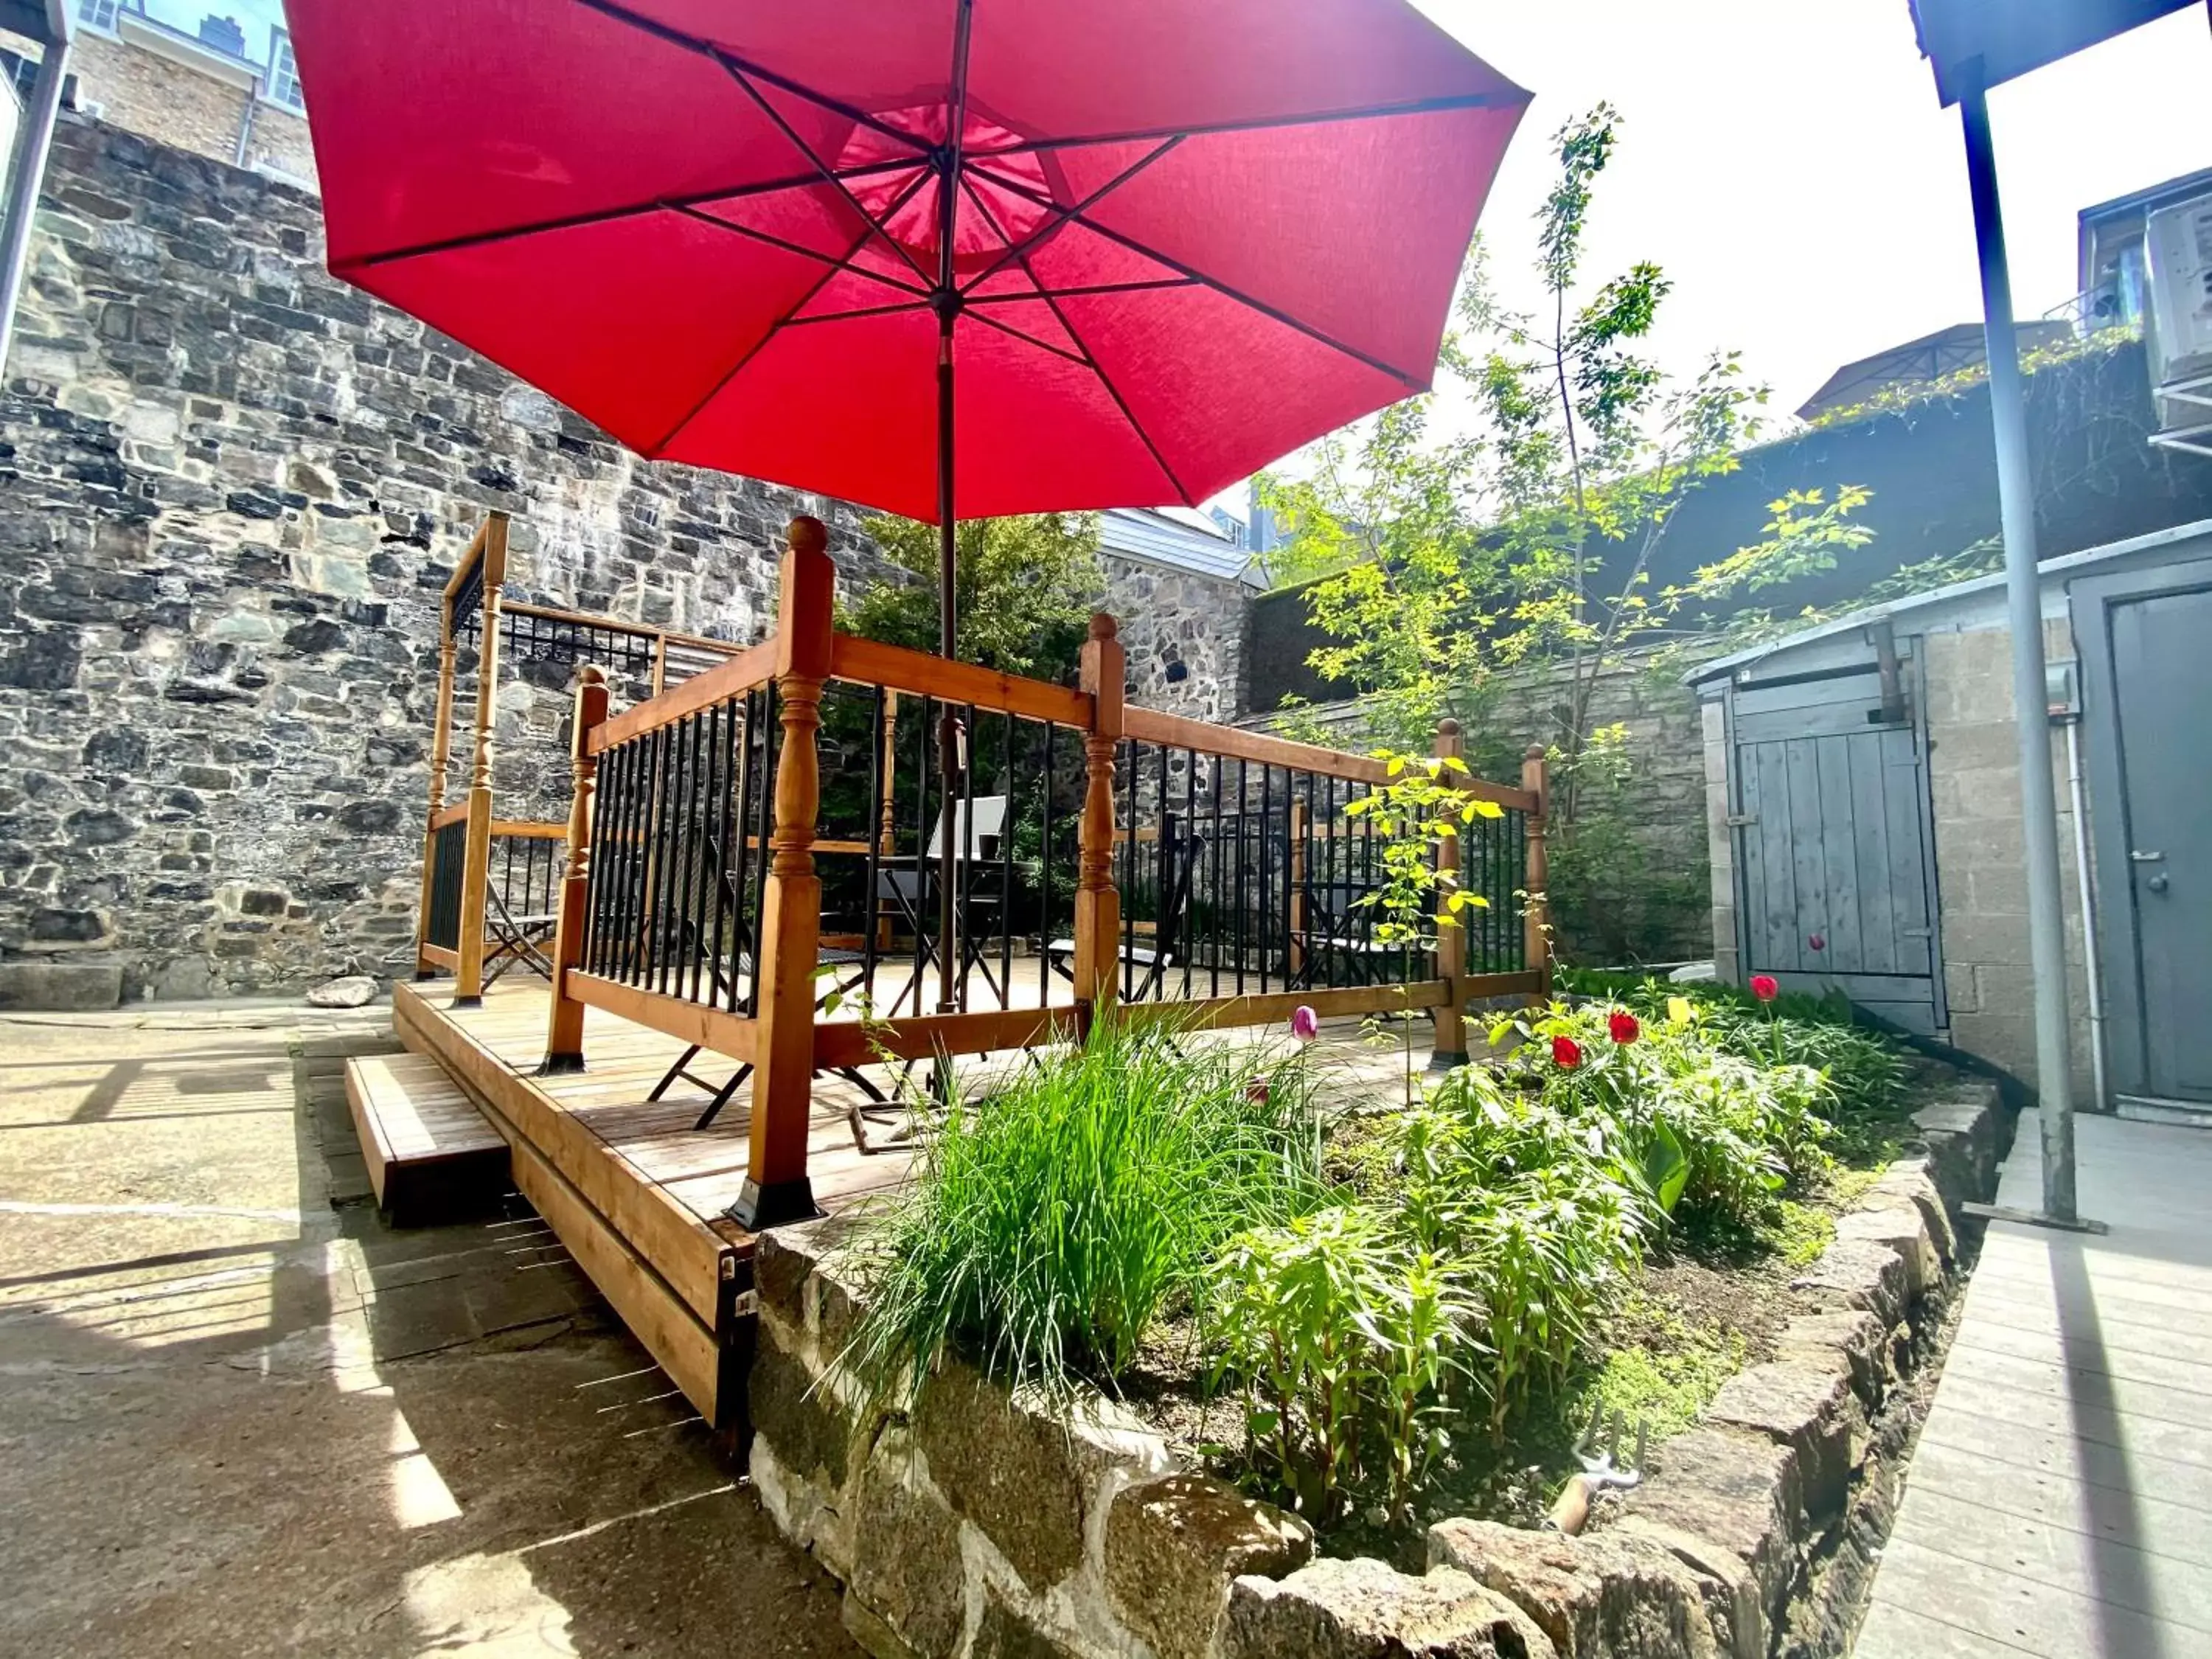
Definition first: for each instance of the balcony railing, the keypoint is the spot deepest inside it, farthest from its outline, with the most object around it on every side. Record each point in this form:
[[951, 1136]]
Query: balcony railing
[[776, 826]]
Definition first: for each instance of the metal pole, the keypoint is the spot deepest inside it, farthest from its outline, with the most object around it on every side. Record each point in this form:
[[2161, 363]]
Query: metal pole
[[2030, 693], [24, 183], [2078, 797]]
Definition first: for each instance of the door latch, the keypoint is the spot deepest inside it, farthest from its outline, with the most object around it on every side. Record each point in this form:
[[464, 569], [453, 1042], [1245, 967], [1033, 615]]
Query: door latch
[[2146, 858]]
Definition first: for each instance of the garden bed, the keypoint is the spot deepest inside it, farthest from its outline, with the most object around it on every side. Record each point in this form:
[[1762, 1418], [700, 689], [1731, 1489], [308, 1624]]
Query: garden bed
[[1349, 1362]]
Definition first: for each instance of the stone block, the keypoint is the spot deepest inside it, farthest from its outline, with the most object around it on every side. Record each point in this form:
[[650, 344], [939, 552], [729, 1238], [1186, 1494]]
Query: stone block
[[1852, 1342], [1022, 1471], [70, 985], [907, 1573], [812, 1438], [1809, 1408], [1908, 1178], [1852, 1273], [1604, 1594], [1005, 1633], [1364, 1609], [1731, 1506], [1898, 1223], [1174, 1545]]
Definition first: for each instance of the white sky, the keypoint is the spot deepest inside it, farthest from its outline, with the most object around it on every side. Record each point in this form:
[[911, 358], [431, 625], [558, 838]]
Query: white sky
[[1787, 163]]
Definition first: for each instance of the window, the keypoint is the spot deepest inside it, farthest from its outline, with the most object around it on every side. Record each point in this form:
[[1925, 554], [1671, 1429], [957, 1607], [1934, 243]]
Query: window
[[99, 14], [284, 73]]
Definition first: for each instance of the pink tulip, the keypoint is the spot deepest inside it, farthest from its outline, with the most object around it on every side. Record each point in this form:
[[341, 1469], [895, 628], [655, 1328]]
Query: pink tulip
[[1305, 1024]]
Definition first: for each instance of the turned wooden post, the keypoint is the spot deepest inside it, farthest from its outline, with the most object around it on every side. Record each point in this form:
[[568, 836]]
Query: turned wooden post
[[442, 749], [887, 829], [1535, 926], [777, 1188], [1097, 905], [1449, 1035], [476, 870], [564, 1038]]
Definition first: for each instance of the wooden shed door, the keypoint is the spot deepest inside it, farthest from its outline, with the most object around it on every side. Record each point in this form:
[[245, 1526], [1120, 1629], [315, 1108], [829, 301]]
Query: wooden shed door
[[1831, 839]]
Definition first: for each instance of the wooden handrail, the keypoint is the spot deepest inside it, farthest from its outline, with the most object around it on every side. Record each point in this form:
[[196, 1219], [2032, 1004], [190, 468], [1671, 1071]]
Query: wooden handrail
[[477, 546], [1233, 743], [615, 625], [750, 668], [869, 662], [528, 829], [446, 815]]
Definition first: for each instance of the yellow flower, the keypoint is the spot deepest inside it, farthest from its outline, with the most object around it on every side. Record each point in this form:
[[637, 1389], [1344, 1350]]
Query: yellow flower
[[1680, 1011]]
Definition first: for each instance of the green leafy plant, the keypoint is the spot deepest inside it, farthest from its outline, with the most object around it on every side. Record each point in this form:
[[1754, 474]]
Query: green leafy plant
[[1344, 1340], [1050, 1222], [1424, 804]]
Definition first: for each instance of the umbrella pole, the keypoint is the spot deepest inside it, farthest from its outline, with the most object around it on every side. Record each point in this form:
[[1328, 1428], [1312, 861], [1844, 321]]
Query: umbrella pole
[[948, 621]]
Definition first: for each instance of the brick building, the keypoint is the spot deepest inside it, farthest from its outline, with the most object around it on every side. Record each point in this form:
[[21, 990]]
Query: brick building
[[217, 91]]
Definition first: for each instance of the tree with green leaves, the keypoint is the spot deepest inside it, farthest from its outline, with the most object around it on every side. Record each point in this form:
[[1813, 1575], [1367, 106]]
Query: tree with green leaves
[[1513, 530], [1025, 588]]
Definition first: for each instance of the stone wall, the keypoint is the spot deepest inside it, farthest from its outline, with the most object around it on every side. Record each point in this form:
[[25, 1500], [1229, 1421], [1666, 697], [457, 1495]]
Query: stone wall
[[1179, 620], [1661, 906], [1981, 856], [985, 1524], [231, 491]]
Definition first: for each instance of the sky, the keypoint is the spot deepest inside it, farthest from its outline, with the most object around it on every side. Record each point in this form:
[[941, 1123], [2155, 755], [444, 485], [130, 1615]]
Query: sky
[[1787, 164]]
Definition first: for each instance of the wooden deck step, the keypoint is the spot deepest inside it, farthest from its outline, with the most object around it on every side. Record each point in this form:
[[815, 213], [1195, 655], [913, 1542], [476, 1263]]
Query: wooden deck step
[[431, 1154]]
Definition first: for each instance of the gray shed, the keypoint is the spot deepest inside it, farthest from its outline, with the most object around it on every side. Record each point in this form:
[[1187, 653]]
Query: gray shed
[[1863, 796]]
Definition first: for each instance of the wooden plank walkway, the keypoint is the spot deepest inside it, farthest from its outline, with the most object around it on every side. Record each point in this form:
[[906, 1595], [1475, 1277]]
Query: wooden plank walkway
[[2060, 1501]]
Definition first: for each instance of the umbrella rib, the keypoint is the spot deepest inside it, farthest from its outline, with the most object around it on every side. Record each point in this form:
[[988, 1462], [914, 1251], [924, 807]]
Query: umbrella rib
[[851, 316], [1042, 293], [829, 173], [835, 263], [753, 351], [675, 37], [1090, 358], [1032, 340], [608, 215], [1262, 122], [1060, 216], [845, 262], [1413, 382]]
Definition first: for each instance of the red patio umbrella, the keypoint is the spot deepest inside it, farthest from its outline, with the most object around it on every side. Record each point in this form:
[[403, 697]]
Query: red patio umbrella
[[1163, 241]]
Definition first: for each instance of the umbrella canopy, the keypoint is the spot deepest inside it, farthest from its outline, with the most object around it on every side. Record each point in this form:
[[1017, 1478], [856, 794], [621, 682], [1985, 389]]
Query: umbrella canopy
[[1165, 241]]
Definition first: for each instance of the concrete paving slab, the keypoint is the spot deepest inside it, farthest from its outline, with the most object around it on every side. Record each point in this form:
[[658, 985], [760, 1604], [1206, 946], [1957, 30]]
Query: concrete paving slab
[[213, 1443]]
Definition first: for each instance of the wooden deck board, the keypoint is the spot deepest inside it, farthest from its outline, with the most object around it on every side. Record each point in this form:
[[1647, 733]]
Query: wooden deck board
[[426, 1147], [2060, 1497]]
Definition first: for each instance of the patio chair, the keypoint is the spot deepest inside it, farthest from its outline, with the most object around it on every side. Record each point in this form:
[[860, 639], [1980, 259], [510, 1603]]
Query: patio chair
[[1171, 934], [515, 939], [1337, 936], [908, 896]]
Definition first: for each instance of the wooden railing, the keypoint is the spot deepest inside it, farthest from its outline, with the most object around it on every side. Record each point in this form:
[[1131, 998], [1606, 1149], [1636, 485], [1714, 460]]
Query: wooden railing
[[1103, 854], [488, 881]]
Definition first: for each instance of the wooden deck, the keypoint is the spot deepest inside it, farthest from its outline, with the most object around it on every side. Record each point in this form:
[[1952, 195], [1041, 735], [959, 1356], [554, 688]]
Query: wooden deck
[[633, 1190], [2060, 1500]]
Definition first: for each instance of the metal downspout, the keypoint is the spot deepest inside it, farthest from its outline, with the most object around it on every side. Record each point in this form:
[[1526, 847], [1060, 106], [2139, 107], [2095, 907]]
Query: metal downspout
[[2100, 1099], [2024, 608]]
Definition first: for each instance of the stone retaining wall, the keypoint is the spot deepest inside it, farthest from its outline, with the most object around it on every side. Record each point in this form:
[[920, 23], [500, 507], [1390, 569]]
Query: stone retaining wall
[[987, 1526]]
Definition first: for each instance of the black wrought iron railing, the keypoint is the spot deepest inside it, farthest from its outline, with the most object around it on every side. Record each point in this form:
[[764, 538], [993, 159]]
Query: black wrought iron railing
[[448, 867]]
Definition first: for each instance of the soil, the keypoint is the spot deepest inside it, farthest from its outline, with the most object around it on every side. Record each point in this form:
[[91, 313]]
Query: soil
[[1705, 1307]]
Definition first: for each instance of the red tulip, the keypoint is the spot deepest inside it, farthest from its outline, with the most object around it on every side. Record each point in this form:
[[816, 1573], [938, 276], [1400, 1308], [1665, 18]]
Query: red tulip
[[1625, 1027], [1566, 1053], [1765, 987]]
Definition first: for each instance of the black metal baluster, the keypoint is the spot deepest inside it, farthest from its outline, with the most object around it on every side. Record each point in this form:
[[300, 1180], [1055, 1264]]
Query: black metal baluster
[[1046, 928], [1134, 753], [1011, 795], [1243, 826], [1267, 870], [881, 784]]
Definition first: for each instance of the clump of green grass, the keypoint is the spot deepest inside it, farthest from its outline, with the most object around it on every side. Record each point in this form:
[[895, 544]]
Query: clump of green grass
[[1052, 1220]]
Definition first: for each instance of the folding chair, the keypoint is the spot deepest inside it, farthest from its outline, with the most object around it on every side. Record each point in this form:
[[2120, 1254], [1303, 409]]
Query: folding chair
[[1170, 927], [1336, 935], [515, 939]]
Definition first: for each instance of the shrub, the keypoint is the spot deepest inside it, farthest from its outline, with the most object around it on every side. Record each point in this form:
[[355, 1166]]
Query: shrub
[[1863, 1068], [1701, 1126], [1345, 1339], [1052, 1221]]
